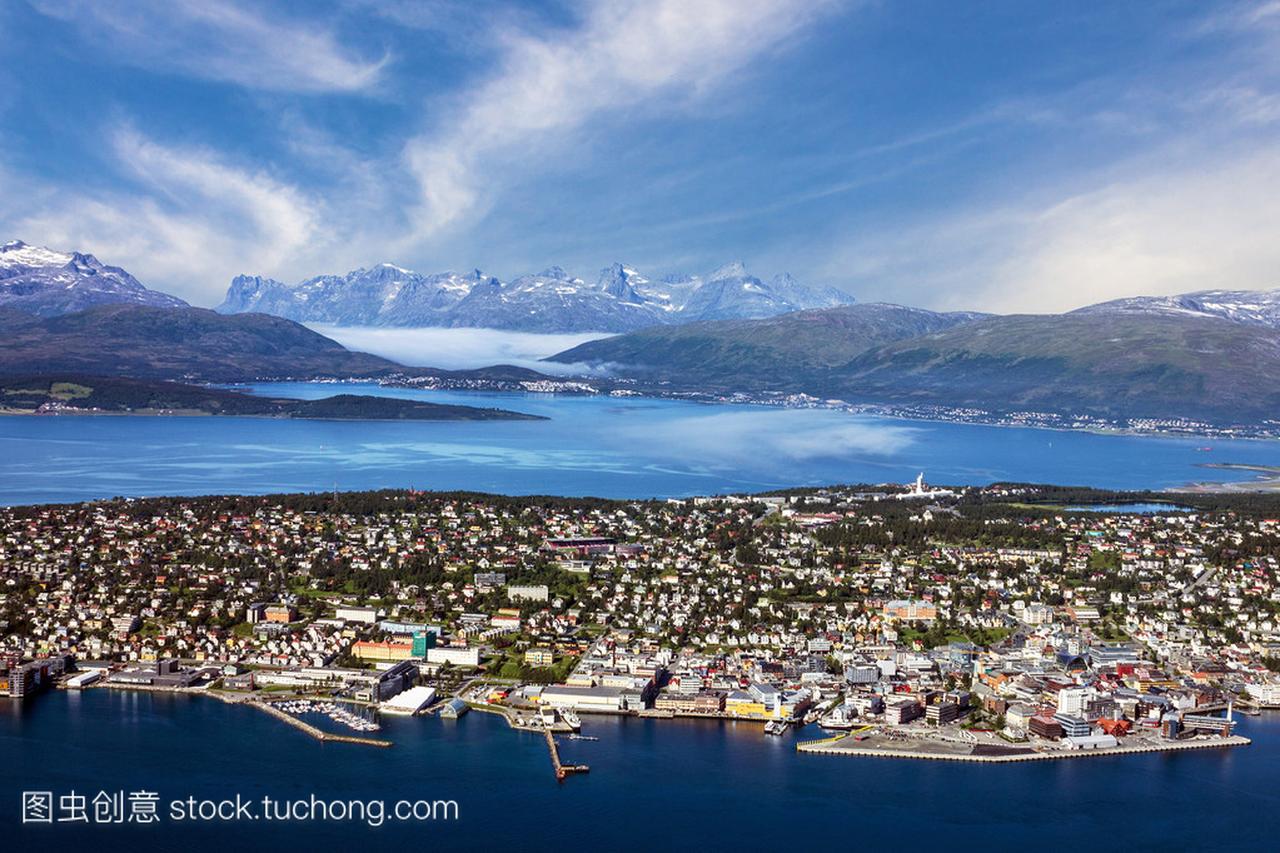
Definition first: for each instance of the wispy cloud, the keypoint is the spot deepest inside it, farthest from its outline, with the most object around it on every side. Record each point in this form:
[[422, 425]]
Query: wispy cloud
[[219, 40], [1206, 224], [1185, 196], [551, 84], [1173, 223], [190, 217]]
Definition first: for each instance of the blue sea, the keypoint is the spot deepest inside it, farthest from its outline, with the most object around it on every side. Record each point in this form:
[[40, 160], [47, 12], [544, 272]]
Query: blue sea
[[653, 784], [603, 446]]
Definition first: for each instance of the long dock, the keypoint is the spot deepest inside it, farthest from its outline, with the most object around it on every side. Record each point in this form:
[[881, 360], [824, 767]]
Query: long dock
[[317, 733], [562, 770]]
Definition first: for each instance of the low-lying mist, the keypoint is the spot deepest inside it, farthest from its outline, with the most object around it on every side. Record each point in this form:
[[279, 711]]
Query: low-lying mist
[[460, 349]]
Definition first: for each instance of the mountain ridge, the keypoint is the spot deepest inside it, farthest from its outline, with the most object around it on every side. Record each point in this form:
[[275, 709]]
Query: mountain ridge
[[759, 354], [551, 301], [46, 283], [147, 342], [1106, 363]]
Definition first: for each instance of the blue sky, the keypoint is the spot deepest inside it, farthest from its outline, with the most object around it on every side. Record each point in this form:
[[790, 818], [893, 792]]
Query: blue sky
[[1002, 156]]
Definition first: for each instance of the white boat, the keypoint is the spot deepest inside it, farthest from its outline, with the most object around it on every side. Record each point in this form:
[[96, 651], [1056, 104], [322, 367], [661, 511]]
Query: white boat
[[840, 719]]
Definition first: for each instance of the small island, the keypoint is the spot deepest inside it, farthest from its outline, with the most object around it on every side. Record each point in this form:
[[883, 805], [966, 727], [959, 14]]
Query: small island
[[95, 395]]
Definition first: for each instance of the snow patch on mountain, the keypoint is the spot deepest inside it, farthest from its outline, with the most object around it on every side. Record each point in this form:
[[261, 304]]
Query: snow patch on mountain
[[1249, 307], [46, 282]]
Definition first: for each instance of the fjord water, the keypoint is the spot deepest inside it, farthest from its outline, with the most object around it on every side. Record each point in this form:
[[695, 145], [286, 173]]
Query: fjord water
[[696, 784], [590, 445], [652, 782]]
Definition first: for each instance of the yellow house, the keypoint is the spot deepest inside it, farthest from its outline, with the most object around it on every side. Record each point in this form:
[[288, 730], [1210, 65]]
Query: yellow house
[[540, 657]]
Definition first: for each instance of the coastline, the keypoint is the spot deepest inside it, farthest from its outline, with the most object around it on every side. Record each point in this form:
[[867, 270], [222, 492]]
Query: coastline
[[832, 746], [875, 410], [915, 748], [503, 415]]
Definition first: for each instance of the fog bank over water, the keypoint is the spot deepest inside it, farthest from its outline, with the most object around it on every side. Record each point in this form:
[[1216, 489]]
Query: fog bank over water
[[459, 349], [766, 439]]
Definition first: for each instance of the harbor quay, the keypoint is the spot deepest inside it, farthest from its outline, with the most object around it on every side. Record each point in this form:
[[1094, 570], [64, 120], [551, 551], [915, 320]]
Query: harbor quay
[[988, 624], [927, 749]]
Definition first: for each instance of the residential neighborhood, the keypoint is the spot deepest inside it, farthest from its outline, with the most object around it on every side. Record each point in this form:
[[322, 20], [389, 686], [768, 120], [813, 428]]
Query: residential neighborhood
[[996, 611]]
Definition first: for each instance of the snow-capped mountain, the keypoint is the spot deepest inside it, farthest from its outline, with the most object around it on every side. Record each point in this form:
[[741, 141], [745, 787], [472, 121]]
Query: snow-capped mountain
[[385, 295], [46, 283], [620, 300], [1250, 307], [731, 293]]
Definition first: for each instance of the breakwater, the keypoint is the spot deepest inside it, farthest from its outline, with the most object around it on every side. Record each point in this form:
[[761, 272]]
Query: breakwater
[[315, 732]]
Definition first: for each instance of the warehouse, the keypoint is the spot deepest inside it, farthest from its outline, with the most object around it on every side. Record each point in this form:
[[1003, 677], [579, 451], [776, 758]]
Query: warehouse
[[410, 701], [601, 699]]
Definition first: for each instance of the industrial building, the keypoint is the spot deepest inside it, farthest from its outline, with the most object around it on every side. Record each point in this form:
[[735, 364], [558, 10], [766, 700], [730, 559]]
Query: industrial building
[[162, 673], [598, 699], [409, 702]]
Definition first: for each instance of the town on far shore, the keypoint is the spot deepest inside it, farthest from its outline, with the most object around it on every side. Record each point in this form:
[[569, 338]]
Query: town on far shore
[[1009, 622]]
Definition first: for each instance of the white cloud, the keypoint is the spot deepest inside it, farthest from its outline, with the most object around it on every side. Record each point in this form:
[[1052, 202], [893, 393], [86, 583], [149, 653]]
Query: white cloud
[[1209, 224], [1171, 224], [550, 85], [219, 40], [192, 219]]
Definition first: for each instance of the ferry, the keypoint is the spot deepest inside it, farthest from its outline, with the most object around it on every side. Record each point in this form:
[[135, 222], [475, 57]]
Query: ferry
[[840, 719]]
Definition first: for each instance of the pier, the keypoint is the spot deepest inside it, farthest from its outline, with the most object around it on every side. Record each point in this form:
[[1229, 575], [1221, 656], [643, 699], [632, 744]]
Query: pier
[[520, 724], [562, 770]]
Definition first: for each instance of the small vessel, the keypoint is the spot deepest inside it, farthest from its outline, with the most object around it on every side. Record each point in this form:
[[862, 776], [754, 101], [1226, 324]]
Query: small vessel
[[576, 736], [841, 718], [777, 727]]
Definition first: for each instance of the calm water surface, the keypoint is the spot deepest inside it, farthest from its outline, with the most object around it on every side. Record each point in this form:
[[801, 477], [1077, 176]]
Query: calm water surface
[[653, 783], [628, 447]]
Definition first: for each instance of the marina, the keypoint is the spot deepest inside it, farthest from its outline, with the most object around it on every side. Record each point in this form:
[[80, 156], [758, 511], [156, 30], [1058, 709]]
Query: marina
[[306, 706], [333, 710]]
